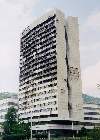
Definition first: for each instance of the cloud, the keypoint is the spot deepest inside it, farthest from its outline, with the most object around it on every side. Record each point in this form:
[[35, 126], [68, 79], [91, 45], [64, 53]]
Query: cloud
[[93, 20], [90, 40], [90, 53], [26, 5], [90, 79], [91, 27]]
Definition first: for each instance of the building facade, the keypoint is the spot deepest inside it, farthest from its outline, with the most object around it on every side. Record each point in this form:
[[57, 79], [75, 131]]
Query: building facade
[[91, 108], [92, 113], [50, 78]]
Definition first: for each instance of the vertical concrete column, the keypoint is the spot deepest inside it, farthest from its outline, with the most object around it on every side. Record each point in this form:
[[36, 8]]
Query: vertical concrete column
[[61, 68], [74, 73]]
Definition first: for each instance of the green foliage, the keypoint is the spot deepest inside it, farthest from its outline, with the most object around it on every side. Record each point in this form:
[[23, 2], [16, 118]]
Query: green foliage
[[94, 134], [10, 120], [14, 129], [14, 137], [83, 132]]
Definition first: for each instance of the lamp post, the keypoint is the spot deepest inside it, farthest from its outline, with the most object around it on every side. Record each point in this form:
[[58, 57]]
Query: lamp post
[[73, 128], [48, 134], [49, 129], [31, 124]]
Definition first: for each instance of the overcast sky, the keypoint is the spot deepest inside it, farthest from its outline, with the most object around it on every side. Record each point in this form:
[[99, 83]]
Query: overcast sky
[[15, 15]]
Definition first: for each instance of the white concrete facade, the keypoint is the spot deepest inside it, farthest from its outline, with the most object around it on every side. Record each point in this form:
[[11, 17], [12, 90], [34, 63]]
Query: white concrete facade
[[74, 72], [50, 77], [91, 113]]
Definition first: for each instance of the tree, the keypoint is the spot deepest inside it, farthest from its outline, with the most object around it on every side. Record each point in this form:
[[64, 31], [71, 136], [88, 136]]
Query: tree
[[15, 129], [10, 121], [83, 132], [94, 133], [22, 129]]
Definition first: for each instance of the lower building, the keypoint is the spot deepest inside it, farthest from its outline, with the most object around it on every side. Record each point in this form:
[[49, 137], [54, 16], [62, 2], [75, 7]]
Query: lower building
[[56, 128], [91, 113], [91, 108], [7, 100], [5, 104]]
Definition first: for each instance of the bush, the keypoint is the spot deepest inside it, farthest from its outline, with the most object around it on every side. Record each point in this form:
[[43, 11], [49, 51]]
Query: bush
[[13, 137]]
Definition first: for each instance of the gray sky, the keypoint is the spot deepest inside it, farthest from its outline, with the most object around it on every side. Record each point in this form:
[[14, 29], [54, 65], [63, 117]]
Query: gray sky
[[15, 15]]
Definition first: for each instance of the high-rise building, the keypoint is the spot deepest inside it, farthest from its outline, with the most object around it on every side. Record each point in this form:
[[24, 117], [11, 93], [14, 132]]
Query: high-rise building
[[50, 78]]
